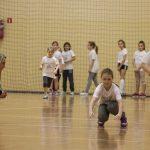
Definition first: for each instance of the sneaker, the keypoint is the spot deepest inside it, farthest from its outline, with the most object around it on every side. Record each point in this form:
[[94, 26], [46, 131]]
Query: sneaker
[[72, 93], [101, 124], [55, 93], [124, 122], [142, 95], [63, 93], [50, 91], [123, 94], [84, 94], [135, 95], [45, 96]]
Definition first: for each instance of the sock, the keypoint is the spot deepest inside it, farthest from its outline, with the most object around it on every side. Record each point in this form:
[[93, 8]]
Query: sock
[[122, 86], [45, 93]]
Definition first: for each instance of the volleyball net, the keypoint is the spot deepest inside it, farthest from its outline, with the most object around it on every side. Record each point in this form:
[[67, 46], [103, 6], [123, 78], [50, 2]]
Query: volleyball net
[[35, 24]]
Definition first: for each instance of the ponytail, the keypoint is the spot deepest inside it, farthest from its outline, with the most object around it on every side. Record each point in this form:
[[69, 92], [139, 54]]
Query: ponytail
[[96, 49]]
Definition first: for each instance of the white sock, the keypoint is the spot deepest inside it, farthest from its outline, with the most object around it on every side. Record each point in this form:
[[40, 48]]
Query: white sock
[[45, 93], [122, 86]]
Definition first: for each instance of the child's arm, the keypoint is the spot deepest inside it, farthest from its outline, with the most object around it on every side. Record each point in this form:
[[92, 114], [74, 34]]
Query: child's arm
[[62, 64], [72, 59], [124, 59], [134, 65], [91, 107], [146, 68], [91, 65], [41, 66], [145, 64], [120, 105], [56, 66], [133, 62], [55, 72]]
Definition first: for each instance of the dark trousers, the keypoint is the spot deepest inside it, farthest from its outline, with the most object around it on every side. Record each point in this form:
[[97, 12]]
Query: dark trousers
[[68, 74], [92, 76], [107, 108]]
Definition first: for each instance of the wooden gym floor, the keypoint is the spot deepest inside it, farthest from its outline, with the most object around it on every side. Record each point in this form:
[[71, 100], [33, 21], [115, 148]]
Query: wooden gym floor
[[27, 122]]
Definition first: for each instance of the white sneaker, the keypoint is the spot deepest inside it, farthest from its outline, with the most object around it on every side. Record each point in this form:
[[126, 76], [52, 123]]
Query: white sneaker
[[84, 94], [63, 93], [55, 93], [45, 96], [72, 93]]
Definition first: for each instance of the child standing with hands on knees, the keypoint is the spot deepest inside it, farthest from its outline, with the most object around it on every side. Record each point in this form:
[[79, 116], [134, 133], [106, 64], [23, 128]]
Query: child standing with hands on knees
[[109, 97]]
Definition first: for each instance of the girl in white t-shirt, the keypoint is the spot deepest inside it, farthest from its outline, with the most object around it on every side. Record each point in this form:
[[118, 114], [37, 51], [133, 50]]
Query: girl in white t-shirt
[[49, 67], [146, 63], [58, 56], [68, 57], [93, 67], [122, 64], [139, 73], [110, 100]]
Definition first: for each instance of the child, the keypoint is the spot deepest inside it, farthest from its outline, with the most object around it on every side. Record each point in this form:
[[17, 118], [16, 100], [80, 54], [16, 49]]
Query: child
[[49, 67], [146, 63], [93, 67], [58, 56], [68, 57], [110, 100], [139, 73], [3, 94], [122, 61]]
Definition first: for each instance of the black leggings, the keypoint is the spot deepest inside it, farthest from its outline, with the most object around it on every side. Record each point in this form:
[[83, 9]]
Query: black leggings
[[68, 74], [107, 108]]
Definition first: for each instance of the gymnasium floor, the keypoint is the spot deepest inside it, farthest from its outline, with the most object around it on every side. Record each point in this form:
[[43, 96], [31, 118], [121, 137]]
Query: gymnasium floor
[[27, 122]]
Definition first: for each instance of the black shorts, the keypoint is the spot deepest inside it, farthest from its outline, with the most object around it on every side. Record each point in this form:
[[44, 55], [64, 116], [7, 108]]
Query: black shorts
[[1, 92], [123, 67], [47, 81]]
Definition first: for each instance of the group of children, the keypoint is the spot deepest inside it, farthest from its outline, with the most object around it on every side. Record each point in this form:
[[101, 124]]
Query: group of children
[[108, 94], [138, 61], [53, 64], [122, 67], [63, 64]]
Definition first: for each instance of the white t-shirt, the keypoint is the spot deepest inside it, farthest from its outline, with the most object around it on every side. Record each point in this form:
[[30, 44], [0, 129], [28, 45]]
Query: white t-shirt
[[146, 59], [120, 56], [103, 95], [94, 56], [67, 55], [49, 66], [58, 56], [138, 57]]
